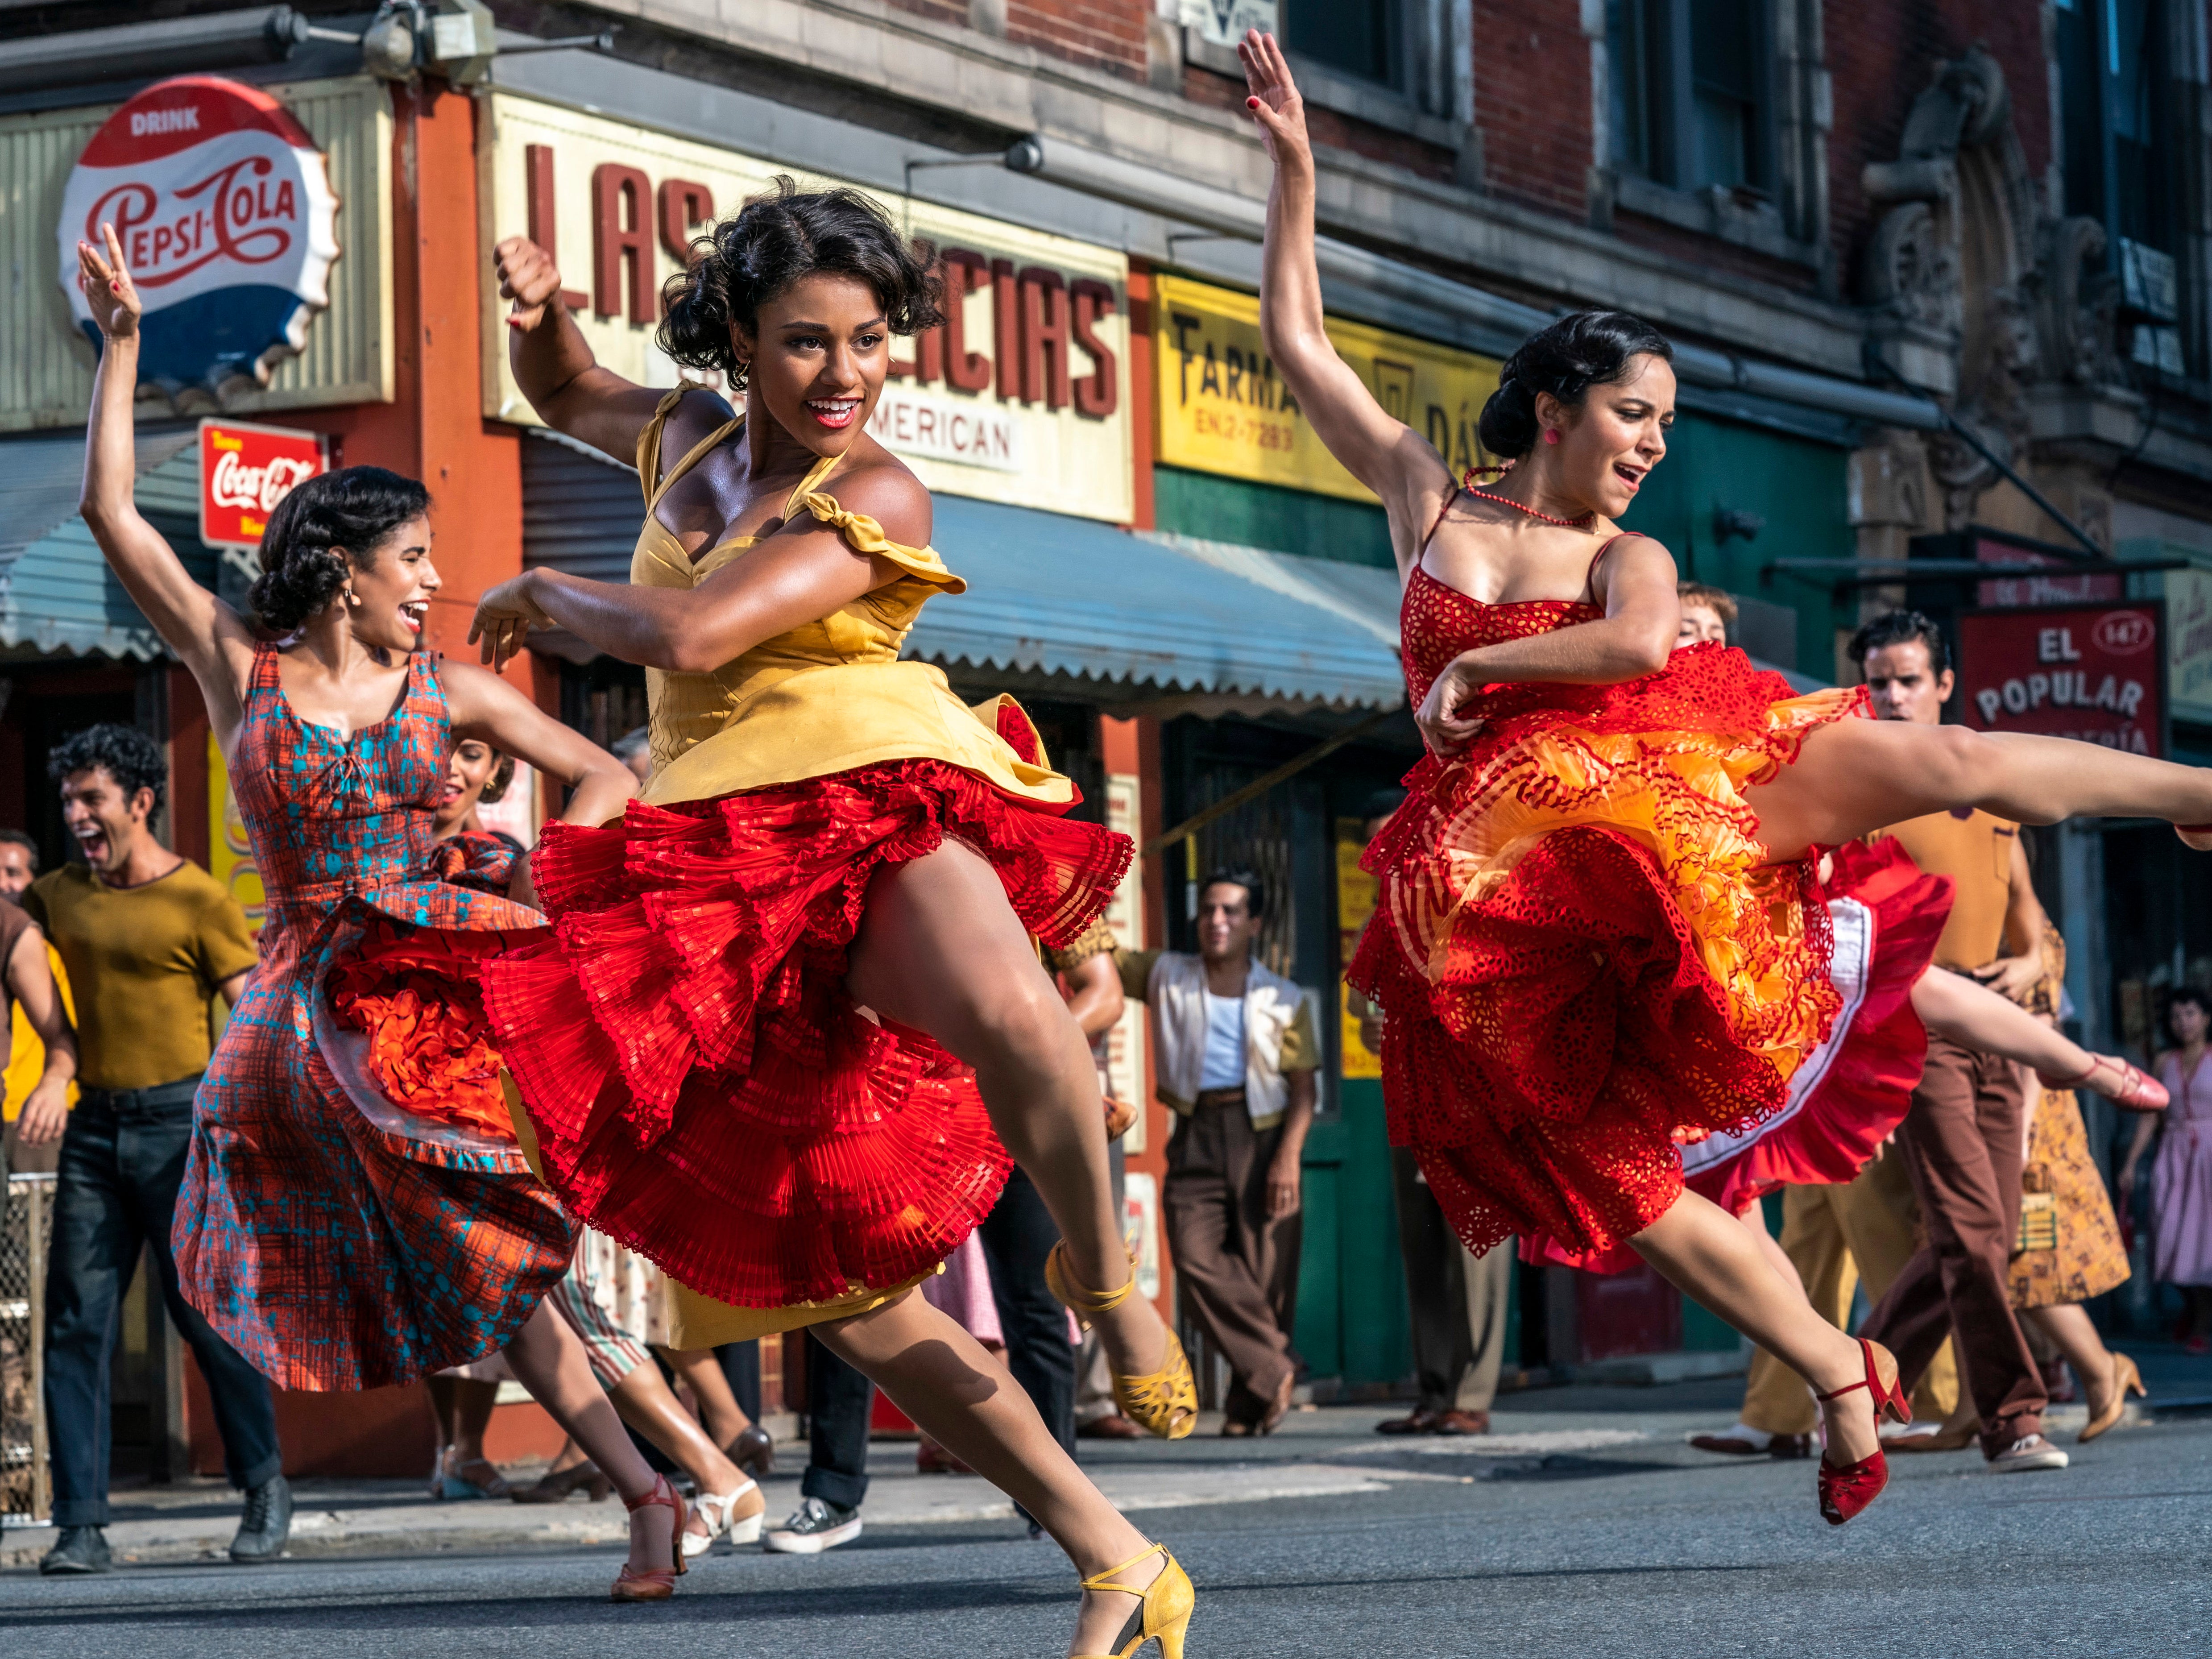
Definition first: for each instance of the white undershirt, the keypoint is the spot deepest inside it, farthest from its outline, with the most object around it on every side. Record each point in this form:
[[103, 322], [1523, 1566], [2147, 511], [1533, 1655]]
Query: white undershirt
[[1224, 1043]]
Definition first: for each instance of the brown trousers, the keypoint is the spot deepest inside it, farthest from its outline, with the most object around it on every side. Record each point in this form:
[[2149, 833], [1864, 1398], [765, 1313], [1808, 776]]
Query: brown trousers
[[1963, 1142], [1237, 1270], [1457, 1300], [1835, 1237]]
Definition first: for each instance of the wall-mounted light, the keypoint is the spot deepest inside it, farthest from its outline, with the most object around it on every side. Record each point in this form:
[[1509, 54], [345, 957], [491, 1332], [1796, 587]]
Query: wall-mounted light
[[1732, 521]]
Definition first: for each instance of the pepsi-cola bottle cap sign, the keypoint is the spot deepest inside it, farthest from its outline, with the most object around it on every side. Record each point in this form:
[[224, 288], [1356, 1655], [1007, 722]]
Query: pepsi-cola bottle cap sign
[[228, 222]]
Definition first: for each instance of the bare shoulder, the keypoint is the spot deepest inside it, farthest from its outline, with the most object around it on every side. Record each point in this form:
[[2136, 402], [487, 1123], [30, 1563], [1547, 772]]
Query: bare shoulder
[[471, 691], [1631, 551], [881, 486], [697, 413]]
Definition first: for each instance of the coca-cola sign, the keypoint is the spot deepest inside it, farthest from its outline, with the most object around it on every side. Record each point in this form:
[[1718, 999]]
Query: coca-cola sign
[[228, 222], [245, 470]]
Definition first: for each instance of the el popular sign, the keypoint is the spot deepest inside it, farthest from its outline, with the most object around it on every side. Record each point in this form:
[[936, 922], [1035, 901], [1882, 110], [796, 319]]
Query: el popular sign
[[228, 222], [2094, 673]]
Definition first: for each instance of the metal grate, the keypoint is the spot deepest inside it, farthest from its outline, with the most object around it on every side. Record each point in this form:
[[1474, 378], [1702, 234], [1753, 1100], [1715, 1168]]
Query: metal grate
[[26, 1225]]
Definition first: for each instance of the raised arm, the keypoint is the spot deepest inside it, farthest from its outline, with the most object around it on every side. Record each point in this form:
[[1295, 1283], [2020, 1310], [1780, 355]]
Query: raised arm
[[489, 709], [1634, 638], [553, 363], [207, 635], [1384, 453], [803, 572]]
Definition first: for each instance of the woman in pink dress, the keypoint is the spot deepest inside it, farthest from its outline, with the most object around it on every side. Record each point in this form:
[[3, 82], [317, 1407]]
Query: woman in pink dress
[[2181, 1174]]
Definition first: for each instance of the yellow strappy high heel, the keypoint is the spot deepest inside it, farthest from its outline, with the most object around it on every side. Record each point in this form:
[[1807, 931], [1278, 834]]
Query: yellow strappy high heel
[[1166, 1612], [1165, 1402]]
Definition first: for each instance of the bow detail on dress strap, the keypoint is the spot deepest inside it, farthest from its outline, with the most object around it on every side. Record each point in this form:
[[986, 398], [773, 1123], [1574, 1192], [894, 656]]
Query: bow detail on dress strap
[[866, 535]]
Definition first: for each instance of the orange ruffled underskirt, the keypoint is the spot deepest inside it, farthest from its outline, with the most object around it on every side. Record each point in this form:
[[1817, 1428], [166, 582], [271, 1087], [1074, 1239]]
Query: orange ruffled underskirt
[[1585, 958]]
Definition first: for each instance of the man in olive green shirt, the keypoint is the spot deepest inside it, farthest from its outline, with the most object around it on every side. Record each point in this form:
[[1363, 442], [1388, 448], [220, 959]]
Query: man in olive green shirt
[[149, 940], [1234, 1053]]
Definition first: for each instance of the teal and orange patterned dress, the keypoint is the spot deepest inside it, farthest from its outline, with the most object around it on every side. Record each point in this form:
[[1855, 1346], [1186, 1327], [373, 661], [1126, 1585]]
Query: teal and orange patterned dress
[[356, 1210]]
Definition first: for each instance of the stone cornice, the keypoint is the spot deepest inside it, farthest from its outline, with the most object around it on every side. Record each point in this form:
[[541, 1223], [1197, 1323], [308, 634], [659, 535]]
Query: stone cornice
[[983, 79]]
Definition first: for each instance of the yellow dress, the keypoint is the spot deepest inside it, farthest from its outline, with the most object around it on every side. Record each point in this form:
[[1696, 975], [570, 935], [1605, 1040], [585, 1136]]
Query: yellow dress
[[697, 1083]]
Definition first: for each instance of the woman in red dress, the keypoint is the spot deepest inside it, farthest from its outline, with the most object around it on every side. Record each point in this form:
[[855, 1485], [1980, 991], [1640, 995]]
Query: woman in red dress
[[1600, 930], [356, 1210], [789, 1007]]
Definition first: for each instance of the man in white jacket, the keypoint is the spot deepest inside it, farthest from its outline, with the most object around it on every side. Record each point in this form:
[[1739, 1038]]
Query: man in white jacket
[[1234, 1051]]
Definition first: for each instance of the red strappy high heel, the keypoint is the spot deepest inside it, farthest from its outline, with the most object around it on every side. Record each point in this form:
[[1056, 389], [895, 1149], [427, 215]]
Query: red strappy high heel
[[2127, 1089], [1845, 1491], [656, 1583]]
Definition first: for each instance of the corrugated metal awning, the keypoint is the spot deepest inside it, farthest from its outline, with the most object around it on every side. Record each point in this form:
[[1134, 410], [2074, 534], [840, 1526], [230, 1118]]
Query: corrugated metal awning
[[57, 593], [1058, 596]]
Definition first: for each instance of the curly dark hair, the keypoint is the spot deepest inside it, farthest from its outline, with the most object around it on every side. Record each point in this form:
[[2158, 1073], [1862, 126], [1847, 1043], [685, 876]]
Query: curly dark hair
[[501, 779], [1898, 627], [1590, 347], [127, 755], [303, 564], [771, 242]]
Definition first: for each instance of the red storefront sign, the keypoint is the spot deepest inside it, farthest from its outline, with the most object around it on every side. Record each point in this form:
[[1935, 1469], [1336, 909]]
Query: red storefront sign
[[245, 470], [2095, 672], [2058, 589]]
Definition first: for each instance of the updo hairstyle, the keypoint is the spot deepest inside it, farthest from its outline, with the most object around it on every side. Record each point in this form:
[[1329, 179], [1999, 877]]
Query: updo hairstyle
[[1590, 347], [304, 550], [770, 243]]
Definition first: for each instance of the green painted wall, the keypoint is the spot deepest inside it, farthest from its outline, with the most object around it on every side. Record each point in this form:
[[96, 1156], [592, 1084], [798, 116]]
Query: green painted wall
[[1266, 515], [1353, 1317], [1799, 487]]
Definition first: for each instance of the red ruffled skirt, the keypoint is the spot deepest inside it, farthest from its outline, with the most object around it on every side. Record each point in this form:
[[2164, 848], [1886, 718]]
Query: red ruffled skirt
[[1584, 955], [1852, 1091], [702, 1087]]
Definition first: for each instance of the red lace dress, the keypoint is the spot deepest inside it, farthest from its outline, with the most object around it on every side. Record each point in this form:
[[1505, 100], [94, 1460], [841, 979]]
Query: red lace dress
[[1584, 952]]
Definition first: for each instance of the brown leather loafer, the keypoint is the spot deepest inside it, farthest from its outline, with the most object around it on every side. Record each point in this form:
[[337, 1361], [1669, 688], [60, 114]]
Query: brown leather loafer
[[1460, 1422], [1420, 1420]]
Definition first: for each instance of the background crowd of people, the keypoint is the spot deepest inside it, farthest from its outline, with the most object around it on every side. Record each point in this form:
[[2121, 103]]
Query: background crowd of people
[[1977, 1241]]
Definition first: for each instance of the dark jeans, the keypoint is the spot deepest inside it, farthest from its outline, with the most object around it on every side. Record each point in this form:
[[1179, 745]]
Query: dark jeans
[[1017, 1235], [122, 1162], [839, 1402], [740, 1363]]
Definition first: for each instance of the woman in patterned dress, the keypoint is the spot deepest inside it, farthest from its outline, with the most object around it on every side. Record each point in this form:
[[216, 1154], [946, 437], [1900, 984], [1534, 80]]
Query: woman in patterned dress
[[1600, 928], [356, 1210], [2078, 1253], [789, 1007]]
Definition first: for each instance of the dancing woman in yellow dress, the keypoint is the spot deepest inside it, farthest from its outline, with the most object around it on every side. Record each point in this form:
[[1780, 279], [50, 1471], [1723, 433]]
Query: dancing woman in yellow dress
[[789, 1007]]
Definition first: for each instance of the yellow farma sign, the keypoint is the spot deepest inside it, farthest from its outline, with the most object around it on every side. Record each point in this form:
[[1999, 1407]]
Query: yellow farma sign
[[1224, 409]]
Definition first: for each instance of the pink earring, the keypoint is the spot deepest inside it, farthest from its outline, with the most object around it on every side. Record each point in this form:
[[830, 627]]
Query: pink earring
[[1551, 436]]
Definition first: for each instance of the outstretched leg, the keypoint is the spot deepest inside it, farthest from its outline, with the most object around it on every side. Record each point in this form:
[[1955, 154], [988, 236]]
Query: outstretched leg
[[1855, 777], [1974, 1017], [970, 1404], [549, 1359], [1710, 1255], [939, 949]]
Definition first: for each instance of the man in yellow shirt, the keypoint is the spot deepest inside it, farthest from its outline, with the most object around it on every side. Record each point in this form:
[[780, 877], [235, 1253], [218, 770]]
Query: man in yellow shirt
[[150, 941]]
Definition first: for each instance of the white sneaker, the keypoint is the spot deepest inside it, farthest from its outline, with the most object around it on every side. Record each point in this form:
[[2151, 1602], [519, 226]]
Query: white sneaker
[[815, 1526], [2028, 1454]]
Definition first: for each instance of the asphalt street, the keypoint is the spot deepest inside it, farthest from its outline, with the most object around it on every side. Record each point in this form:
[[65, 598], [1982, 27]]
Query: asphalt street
[[1585, 1527]]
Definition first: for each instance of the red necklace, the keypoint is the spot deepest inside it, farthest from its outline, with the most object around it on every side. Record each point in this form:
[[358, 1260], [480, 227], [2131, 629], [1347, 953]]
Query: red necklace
[[1580, 521]]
